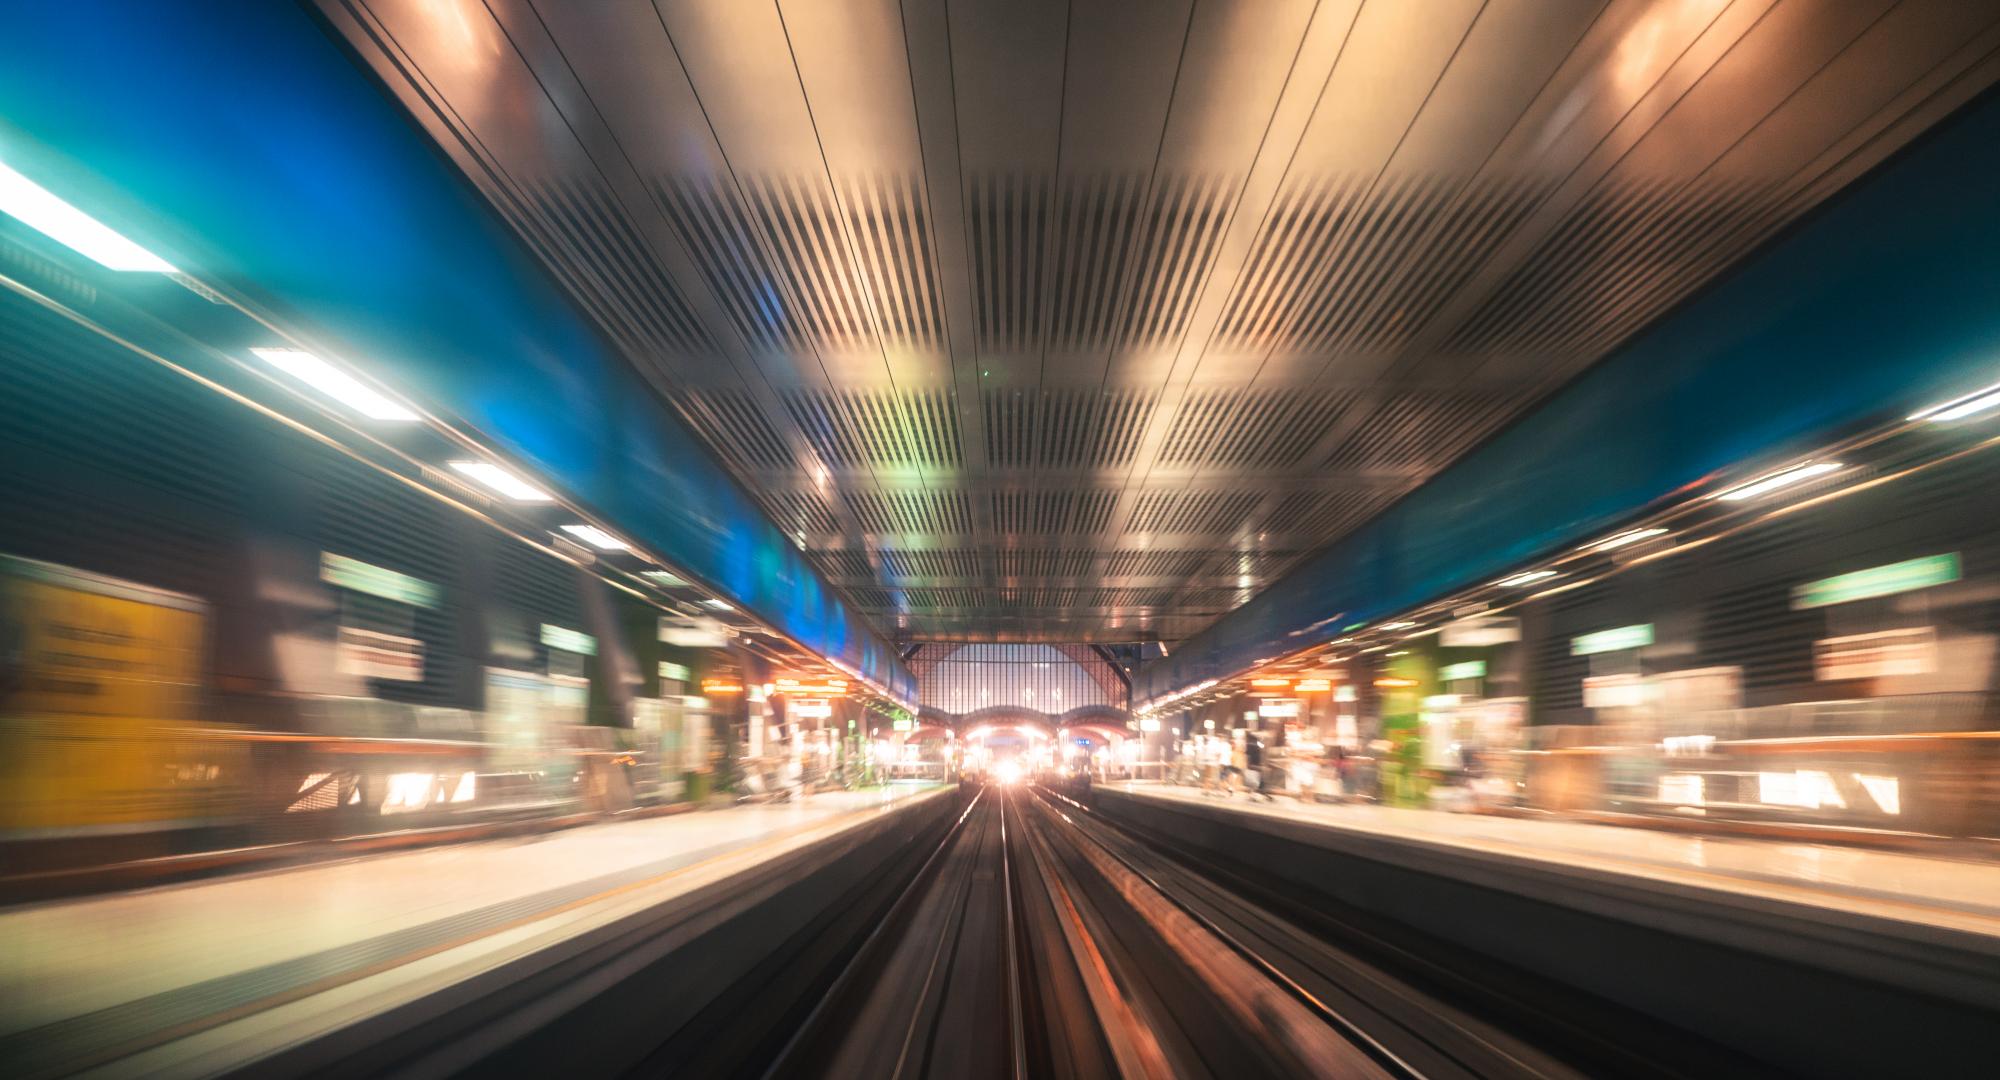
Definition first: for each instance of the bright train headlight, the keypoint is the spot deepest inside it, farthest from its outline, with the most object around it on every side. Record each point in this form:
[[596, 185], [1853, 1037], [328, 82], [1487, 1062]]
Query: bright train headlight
[[1009, 772]]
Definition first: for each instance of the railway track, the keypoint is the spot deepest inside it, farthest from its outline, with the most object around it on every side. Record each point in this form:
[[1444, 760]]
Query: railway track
[[1039, 940]]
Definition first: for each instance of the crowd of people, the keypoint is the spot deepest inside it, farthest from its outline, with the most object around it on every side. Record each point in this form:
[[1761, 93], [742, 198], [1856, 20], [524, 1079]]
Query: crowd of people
[[1240, 761]]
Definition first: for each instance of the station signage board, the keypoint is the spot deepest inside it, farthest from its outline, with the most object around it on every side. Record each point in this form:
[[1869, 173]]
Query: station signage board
[[1471, 669], [1480, 632], [1902, 577], [377, 581], [557, 637], [693, 632], [1615, 639], [1882, 654], [371, 654]]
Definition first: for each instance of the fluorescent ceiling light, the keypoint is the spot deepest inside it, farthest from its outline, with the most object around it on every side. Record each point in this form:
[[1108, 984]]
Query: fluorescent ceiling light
[[1959, 408], [502, 481], [41, 210], [1630, 536], [1783, 478], [1395, 626], [596, 537], [1528, 578], [719, 605], [666, 578], [334, 383]]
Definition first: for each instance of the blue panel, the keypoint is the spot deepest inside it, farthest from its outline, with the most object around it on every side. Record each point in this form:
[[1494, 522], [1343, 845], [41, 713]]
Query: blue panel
[[1886, 301], [242, 143]]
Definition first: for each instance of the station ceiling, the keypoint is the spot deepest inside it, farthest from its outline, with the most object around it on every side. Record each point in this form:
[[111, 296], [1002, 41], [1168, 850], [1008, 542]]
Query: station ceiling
[[1084, 322]]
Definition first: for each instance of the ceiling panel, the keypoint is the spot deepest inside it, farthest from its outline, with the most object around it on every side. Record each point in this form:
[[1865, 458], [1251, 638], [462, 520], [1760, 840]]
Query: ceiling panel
[[1084, 321]]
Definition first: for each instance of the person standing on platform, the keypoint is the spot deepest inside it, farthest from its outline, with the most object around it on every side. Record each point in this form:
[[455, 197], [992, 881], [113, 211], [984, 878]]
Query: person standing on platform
[[1253, 767]]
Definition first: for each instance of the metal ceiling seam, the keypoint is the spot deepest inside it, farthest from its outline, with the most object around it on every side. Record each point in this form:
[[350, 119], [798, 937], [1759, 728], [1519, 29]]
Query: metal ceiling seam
[[1112, 526], [758, 388], [843, 222], [955, 275], [1167, 411], [1374, 223], [1166, 404], [734, 357], [1124, 294], [1486, 161], [1930, 105], [1527, 237], [782, 416], [1048, 252], [1749, 209], [1760, 230], [1832, 333]]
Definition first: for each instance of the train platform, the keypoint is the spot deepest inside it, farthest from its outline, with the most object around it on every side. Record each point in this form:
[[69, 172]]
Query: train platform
[[193, 977], [1960, 894]]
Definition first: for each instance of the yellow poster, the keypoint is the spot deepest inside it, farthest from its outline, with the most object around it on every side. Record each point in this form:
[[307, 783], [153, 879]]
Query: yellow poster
[[99, 685]]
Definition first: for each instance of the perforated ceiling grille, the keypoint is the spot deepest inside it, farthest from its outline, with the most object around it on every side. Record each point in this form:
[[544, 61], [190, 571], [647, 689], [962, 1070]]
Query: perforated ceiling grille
[[1128, 261], [799, 511], [1041, 513], [892, 234], [1264, 428], [1191, 512], [1007, 223], [1093, 361], [1178, 564], [879, 430], [1626, 253], [582, 229], [1044, 564], [845, 564], [1418, 430], [1325, 515], [1353, 266], [1087, 429], [1108, 263], [777, 257], [915, 513], [737, 427], [1258, 565], [941, 598], [955, 563]]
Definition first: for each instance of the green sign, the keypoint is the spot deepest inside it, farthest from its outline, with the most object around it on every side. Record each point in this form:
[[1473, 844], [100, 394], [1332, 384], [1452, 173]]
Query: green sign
[[1622, 637], [1471, 669], [1887, 580], [377, 581], [671, 670], [555, 637]]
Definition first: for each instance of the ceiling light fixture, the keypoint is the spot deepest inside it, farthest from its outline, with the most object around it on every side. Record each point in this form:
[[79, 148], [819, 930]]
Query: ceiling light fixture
[[40, 209], [502, 481], [1528, 578], [1783, 478], [666, 578], [596, 537], [1971, 404], [719, 605], [1399, 625], [1630, 536], [334, 383]]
